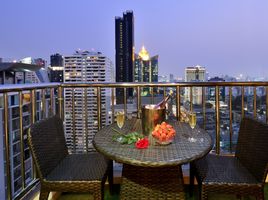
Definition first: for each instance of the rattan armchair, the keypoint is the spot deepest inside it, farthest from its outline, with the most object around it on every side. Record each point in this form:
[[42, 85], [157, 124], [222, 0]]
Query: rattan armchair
[[243, 174], [60, 171]]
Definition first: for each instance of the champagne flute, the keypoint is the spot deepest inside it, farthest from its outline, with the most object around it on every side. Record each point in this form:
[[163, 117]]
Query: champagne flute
[[120, 118], [192, 123], [192, 120]]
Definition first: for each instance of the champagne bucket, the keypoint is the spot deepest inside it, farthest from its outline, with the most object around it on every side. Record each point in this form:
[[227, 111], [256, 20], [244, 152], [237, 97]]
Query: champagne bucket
[[151, 116]]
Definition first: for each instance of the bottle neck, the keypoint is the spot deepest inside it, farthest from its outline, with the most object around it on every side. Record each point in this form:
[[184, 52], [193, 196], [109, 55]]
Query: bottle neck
[[162, 104]]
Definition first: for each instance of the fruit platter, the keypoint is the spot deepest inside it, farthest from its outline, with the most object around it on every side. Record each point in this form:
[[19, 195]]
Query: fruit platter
[[164, 133]]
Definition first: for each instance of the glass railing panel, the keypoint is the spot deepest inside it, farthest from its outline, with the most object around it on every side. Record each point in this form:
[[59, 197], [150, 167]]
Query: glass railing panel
[[261, 103], [248, 101], [226, 124]]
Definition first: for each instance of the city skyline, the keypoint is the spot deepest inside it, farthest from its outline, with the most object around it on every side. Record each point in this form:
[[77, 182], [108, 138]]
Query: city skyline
[[225, 37]]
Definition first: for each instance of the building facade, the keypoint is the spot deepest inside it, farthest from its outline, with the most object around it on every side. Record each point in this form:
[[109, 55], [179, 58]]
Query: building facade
[[38, 76], [195, 74], [124, 52], [84, 67]]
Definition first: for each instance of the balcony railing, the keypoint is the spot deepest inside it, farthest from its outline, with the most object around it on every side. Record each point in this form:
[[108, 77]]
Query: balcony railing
[[219, 107]]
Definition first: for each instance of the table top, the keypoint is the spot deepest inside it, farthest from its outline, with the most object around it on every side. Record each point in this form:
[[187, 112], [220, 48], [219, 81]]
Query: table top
[[180, 151]]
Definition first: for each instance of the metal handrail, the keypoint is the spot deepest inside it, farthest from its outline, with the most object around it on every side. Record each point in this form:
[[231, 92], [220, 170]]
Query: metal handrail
[[164, 84], [23, 87]]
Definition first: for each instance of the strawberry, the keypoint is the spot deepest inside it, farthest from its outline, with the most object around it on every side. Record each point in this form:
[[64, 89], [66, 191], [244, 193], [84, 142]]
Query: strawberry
[[163, 132]]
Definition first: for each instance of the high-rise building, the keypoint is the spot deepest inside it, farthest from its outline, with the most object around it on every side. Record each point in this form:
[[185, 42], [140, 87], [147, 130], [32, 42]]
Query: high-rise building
[[145, 68], [56, 68], [171, 77], [124, 52], [56, 60], [81, 67], [195, 74]]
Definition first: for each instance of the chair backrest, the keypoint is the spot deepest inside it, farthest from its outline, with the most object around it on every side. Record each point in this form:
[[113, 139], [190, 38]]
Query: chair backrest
[[252, 147], [47, 144]]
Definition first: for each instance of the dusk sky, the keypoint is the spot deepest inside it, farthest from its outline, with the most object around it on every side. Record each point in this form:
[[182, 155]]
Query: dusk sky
[[225, 36]]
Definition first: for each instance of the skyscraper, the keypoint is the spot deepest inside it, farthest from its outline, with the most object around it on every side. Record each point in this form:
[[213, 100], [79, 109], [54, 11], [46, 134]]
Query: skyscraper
[[145, 68], [195, 74], [124, 52], [56, 68], [83, 67]]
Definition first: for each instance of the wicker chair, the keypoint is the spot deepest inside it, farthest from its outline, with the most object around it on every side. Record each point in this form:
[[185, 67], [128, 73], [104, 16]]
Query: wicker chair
[[60, 171], [243, 174]]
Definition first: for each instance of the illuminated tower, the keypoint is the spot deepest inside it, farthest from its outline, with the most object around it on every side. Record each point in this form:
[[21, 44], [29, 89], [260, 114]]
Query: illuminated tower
[[146, 68]]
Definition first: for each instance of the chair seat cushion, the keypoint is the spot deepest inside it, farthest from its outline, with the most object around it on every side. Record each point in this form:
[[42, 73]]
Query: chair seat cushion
[[80, 167], [222, 170]]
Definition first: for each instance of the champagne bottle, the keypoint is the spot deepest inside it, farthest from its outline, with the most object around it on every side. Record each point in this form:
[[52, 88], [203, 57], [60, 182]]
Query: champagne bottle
[[162, 104]]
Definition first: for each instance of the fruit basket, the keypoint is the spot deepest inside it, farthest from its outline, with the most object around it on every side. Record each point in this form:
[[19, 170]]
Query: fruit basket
[[163, 133]]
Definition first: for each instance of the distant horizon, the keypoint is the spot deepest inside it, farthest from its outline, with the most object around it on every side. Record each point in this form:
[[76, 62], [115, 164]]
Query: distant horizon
[[227, 38]]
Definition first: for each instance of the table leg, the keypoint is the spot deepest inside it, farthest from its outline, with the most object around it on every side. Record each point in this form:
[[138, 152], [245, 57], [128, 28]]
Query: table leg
[[152, 183]]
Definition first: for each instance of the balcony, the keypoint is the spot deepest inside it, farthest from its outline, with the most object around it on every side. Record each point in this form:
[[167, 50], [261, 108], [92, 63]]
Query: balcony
[[219, 107]]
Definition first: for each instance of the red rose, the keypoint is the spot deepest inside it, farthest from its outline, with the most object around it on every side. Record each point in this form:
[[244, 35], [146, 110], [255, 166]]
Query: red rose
[[142, 143]]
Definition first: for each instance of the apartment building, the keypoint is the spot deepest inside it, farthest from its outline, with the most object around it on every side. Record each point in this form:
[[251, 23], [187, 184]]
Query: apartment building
[[85, 67]]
